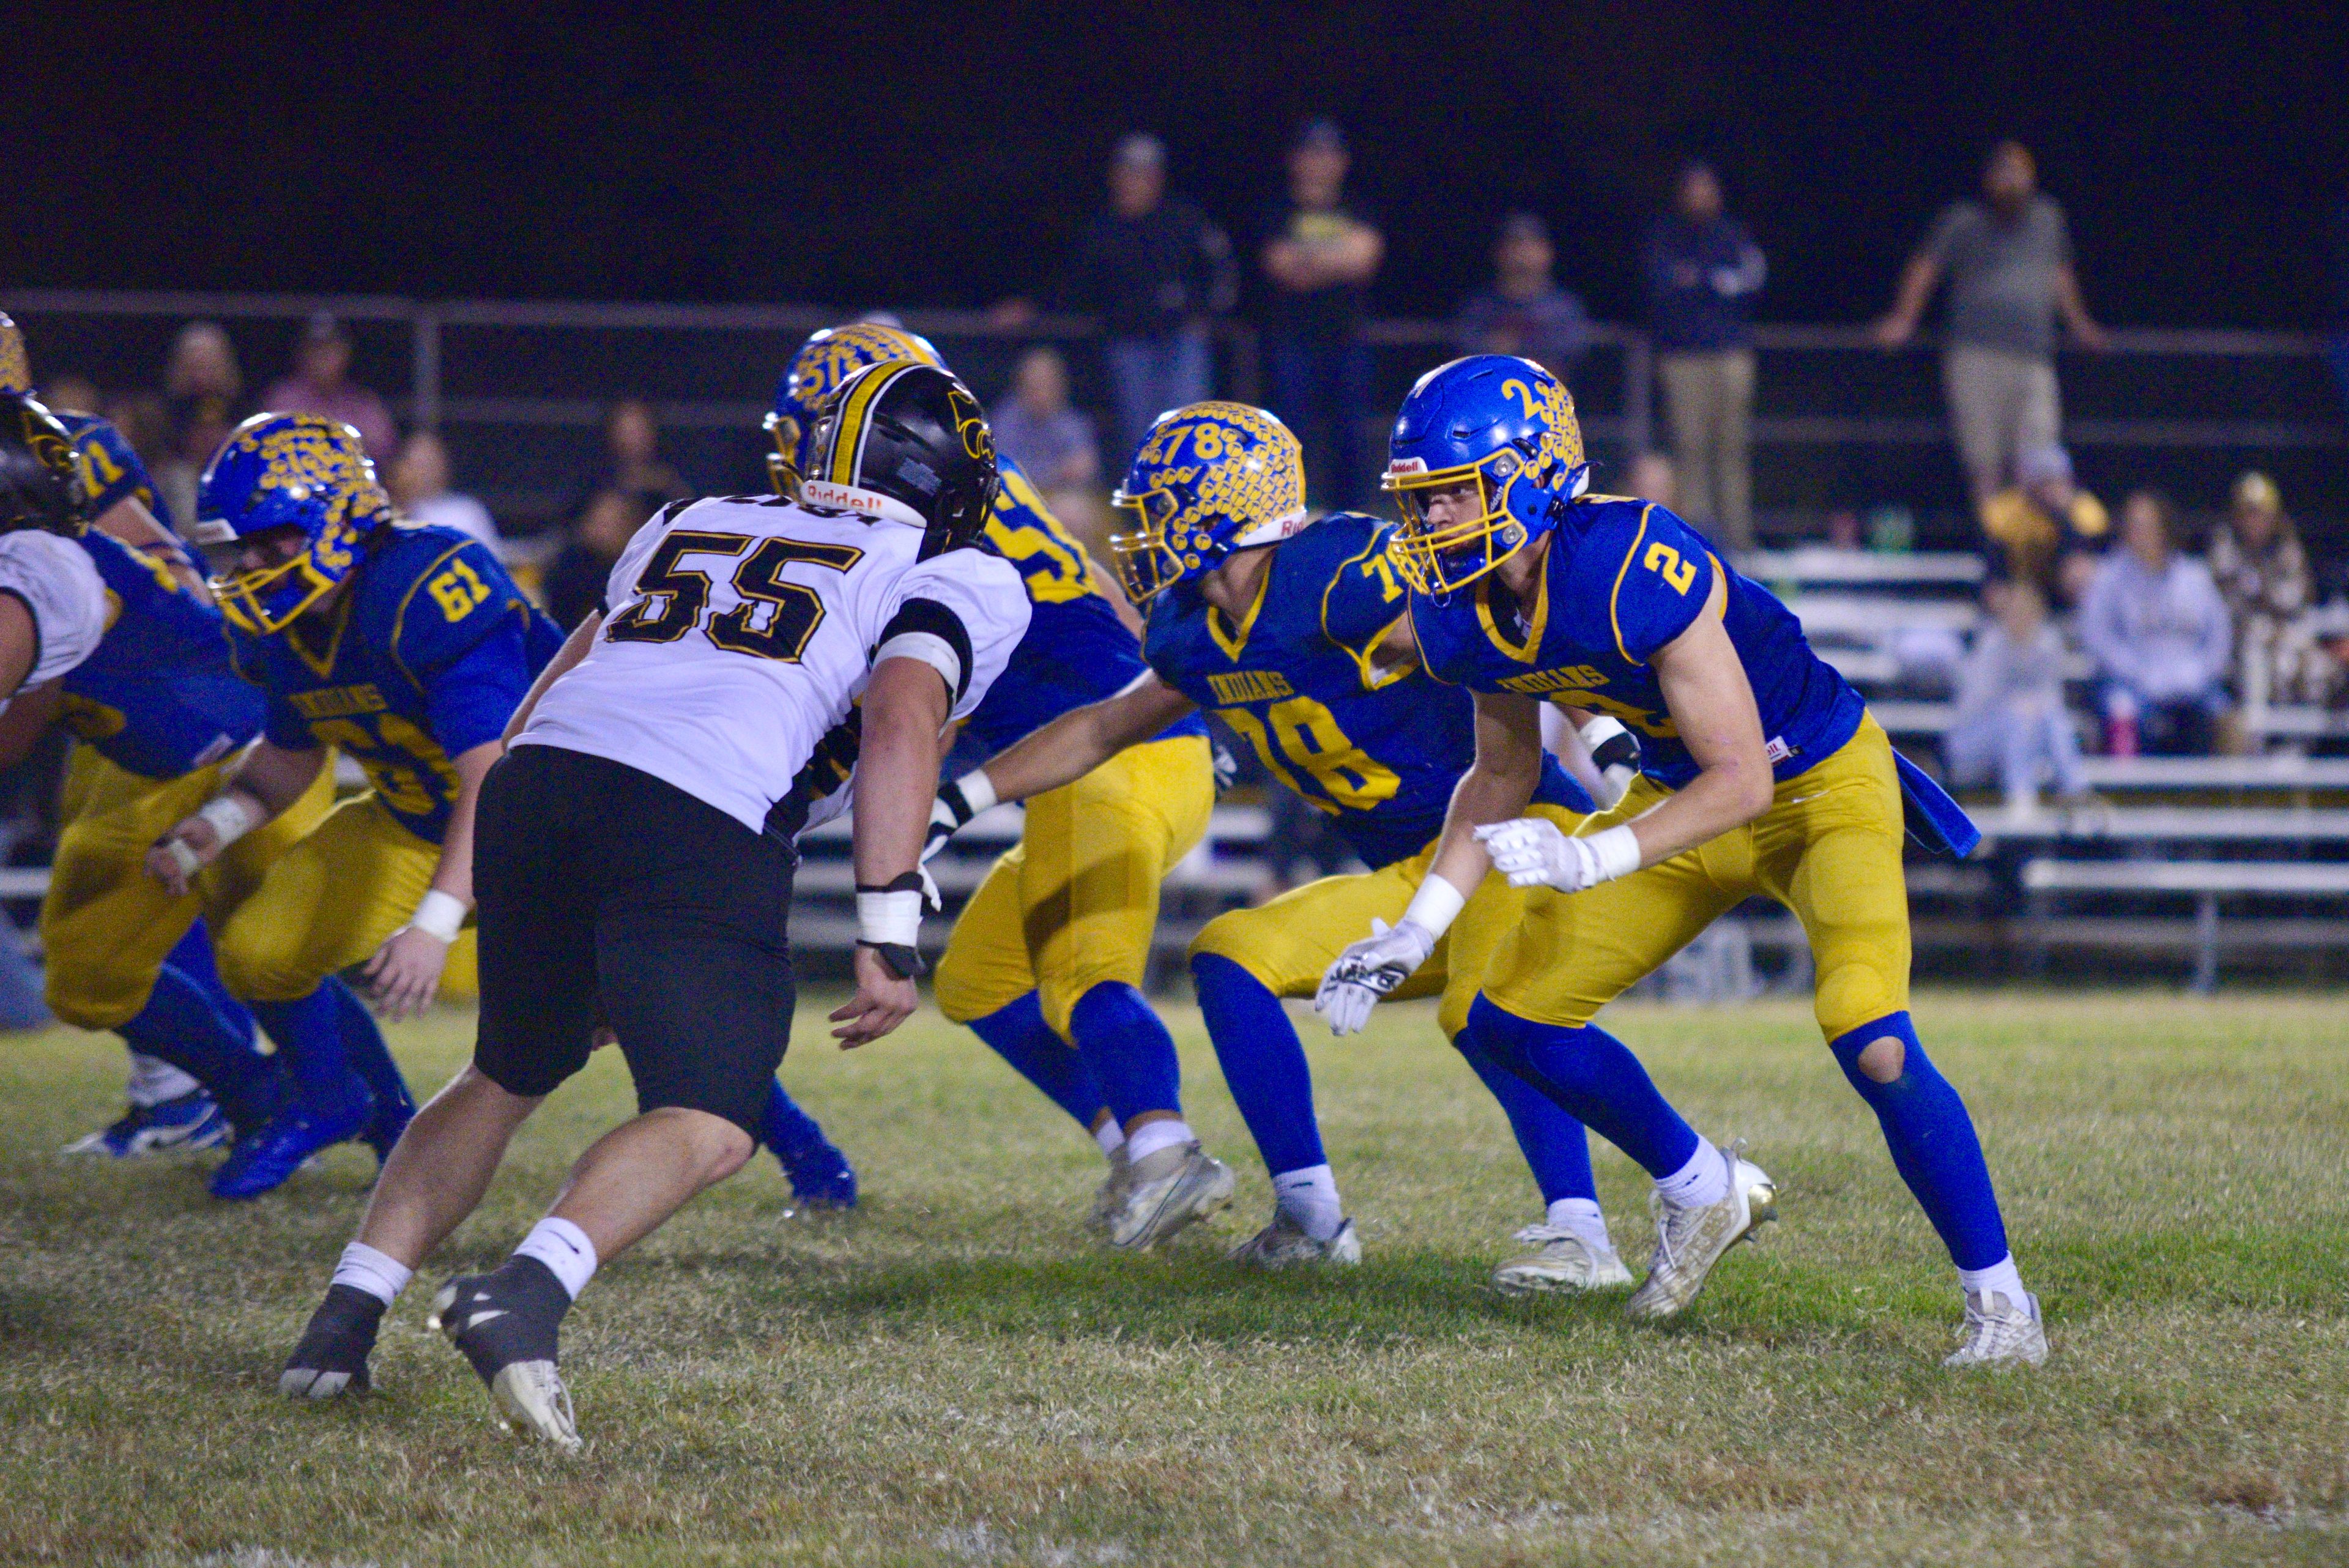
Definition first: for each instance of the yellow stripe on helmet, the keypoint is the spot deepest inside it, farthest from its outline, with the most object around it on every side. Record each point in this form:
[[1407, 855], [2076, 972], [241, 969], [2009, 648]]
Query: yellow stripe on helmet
[[848, 425]]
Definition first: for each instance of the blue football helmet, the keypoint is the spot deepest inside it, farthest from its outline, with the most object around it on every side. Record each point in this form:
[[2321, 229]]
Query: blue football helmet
[[1207, 479], [289, 471], [816, 373], [1501, 425], [15, 364]]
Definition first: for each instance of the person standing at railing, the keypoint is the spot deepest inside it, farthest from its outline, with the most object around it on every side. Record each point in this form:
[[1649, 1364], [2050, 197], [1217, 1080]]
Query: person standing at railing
[[2154, 622], [1702, 272], [1321, 251], [2008, 259], [1525, 312]]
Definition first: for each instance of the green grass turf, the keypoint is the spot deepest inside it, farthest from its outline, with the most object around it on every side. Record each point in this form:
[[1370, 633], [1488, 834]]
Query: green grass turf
[[956, 1375]]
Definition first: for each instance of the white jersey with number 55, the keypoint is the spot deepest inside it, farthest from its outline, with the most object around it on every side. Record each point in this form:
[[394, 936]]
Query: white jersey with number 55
[[739, 634]]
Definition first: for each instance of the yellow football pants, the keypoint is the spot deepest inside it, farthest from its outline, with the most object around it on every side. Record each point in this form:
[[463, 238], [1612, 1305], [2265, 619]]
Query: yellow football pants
[[328, 902], [1828, 849], [1288, 943], [106, 925], [1074, 902]]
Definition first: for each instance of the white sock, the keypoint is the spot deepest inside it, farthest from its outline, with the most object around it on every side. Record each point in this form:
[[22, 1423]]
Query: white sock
[[564, 1248], [1143, 1142], [379, 1274], [2002, 1276], [1310, 1197], [1581, 1217], [1111, 1136], [1703, 1179], [154, 1081]]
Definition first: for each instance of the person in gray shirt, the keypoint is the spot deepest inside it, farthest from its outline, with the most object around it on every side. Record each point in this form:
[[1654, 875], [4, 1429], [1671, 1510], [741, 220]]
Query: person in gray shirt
[[2008, 259]]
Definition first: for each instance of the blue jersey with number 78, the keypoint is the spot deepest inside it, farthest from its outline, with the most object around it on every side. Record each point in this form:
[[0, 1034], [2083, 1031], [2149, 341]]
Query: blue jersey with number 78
[[1623, 578]]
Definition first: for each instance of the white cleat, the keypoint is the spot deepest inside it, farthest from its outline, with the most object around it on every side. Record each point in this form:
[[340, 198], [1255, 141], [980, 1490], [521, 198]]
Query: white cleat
[[1109, 1196], [1165, 1192], [1283, 1245], [1999, 1333], [530, 1396], [1691, 1240], [1563, 1262]]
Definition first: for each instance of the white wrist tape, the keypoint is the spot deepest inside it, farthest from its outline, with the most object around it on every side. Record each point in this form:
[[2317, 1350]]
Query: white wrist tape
[[1618, 849], [230, 817], [439, 914], [977, 790], [1436, 906], [889, 919]]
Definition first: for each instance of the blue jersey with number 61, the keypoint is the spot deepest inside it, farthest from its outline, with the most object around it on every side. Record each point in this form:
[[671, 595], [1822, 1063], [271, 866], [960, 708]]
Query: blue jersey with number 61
[[1076, 650], [425, 656], [1623, 578]]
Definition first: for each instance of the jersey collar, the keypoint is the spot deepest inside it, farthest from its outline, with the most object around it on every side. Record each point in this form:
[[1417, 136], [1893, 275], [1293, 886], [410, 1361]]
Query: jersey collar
[[1234, 642], [1537, 623], [322, 665]]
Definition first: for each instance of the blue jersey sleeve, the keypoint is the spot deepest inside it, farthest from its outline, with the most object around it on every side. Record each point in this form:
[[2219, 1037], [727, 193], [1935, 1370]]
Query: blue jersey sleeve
[[110, 471], [1364, 599], [468, 701], [463, 635], [1665, 582]]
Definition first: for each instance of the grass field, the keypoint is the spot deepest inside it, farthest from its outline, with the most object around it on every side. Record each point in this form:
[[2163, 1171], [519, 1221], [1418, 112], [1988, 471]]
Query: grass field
[[955, 1374]]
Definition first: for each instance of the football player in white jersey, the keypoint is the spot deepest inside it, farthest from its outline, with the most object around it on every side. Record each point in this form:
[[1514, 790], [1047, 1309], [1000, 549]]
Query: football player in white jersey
[[52, 601], [756, 662]]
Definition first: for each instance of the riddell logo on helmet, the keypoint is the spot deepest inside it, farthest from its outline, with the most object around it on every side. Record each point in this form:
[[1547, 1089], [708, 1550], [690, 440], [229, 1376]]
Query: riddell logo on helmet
[[1408, 465], [841, 497]]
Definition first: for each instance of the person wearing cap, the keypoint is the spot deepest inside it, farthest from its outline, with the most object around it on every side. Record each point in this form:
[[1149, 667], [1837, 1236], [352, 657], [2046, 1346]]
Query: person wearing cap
[[2008, 258], [1524, 312], [1157, 272], [1702, 271], [2263, 575], [1321, 250], [321, 385], [2045, 530]]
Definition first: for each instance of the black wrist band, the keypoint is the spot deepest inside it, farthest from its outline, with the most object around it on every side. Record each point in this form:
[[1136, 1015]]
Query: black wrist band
[[899, 960]]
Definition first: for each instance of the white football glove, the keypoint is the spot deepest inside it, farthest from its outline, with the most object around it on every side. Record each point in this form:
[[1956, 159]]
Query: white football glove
[[1370, 969], [1532, 853]]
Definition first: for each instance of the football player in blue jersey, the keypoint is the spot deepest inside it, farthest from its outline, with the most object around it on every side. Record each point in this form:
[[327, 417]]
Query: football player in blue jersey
[[406, 647], [1298, 637], [1762, 772], [1047, 960], [159, 714]]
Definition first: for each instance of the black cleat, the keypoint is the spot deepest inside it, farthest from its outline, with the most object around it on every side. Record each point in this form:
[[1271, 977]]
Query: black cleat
[[506, 1323], [333, 1355]]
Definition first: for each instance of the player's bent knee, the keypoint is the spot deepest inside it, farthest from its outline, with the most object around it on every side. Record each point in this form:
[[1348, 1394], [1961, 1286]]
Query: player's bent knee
[[1245, 940], [91, 1002], [1882, 1059], [715, 1145]]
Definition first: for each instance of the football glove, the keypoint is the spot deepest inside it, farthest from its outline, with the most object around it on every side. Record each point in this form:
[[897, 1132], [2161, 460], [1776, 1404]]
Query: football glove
[[1532, 853], [1370, 969]]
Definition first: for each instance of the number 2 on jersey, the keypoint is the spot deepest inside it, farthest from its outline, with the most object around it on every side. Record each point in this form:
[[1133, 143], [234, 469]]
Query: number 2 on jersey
[[673, 597]]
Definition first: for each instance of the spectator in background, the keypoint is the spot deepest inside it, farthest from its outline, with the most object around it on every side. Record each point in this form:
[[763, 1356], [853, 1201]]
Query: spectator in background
[[203, 393], [2011, 727], [633, 463], [321, 384], [73, 392], [2158, 631], [1052, 444], [419, 483], [1525, 312], [1157, 273], [1651, 478], [2008, 262], [2046, 530], [575, 579], [2263, 575], [1320, 252], [1702, 271]]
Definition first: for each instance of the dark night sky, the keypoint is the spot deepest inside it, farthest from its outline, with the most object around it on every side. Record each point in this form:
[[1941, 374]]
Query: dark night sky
[[859, 154]]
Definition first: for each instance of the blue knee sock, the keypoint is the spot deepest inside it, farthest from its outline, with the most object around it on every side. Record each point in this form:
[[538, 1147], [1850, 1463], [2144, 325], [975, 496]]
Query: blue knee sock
[[1592, 1076], [364, 1046], [310, 1041], [1554, 1144], [1018, 1034], [201, 1030], [1129, 1050], [1932, 1142], [1263, 1062], [789, 1132]]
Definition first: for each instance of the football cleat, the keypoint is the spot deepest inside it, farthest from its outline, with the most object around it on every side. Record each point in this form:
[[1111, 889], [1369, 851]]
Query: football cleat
[[332, 1357], [191, 1121], [1690, 1241], [1563, 1262], [506, 1323], [821, 1176], [1999, 1333], [1109, 1196], [283, 1145], [387, 1117], [1284, 1244], [1165, 1192]]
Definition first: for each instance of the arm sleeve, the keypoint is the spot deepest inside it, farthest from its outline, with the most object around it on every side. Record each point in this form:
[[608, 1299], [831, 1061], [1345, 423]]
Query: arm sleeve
[[471, 699], [2098, 633], [60, 587], [1664, 580], [1363, 598], [464, 638], [961, 613], [109, 468], [1944, 233]]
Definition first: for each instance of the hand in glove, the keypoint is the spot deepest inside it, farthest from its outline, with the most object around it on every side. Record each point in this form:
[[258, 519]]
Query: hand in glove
[[1370, 969], [1532, 853]]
